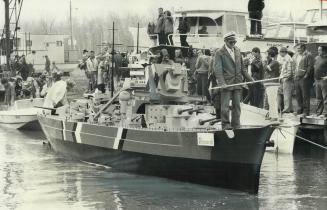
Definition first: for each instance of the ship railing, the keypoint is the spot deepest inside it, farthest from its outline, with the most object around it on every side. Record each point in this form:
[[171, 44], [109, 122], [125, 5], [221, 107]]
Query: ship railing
[[296, 39], [196, 36]]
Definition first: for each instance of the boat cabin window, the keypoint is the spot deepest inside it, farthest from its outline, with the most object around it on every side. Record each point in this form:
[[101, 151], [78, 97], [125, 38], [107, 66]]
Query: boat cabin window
[[207, 26], [235, 23]]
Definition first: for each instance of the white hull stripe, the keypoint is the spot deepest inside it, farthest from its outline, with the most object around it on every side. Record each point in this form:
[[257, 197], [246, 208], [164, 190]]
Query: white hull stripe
[[118, 137], [78, 132], [64, 130]]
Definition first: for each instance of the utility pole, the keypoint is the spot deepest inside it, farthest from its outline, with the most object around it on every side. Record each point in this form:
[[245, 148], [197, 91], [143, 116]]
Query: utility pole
[[112, 59], [71, 25], [7, 32], [138, 37]]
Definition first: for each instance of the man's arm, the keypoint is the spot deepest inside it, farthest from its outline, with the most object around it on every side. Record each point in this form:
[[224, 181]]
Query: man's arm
[[310, 67], [218, 69]]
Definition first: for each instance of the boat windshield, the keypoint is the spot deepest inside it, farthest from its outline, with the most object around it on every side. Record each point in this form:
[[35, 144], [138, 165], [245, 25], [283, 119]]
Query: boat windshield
[[236, 23], [312, 16]]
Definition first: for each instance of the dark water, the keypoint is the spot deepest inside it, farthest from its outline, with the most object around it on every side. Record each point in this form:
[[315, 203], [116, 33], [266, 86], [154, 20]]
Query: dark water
[[34, 177]]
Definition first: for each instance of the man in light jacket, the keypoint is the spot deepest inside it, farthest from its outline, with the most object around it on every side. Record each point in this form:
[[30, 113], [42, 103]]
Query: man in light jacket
[[286, 79], [228, 70]]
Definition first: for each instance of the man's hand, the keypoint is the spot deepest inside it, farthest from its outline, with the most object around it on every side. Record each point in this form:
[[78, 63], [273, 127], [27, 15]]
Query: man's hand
[[215, 92]]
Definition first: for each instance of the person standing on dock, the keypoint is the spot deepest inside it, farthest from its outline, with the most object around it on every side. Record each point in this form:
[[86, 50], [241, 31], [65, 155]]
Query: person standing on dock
[[229, 69], [320, 75], [255, 8], [304, 62], [256, 90], [9, 92], [286, 80], [92, 66], [271, 70], [47, 64]]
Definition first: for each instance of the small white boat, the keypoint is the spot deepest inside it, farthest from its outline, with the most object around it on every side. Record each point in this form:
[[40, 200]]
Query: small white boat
[[22, 115], [283, 136]]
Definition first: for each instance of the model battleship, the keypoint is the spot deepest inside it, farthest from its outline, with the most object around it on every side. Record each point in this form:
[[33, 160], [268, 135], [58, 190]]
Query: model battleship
[[151, 127]]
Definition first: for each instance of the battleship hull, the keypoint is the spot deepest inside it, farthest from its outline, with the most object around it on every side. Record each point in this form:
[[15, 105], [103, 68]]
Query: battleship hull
[[229, 163]]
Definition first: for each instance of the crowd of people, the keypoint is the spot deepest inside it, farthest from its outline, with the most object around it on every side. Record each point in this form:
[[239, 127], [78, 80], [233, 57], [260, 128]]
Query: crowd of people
[[98, 68], [296, 73], [24, 82], [164, 28]]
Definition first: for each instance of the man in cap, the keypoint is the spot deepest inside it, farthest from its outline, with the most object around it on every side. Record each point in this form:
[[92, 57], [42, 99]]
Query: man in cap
[[286, 80], [228, 70]]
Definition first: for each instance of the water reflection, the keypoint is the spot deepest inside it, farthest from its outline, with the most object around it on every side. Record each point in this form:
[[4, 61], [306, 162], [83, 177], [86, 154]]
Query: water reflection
[[34, 177]]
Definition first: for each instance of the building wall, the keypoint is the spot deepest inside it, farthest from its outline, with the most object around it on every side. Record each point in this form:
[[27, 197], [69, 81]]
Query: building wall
[[48, 44]]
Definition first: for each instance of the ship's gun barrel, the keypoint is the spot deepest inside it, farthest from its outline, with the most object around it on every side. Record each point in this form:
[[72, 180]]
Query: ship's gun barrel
[[195, 110], [180, 111], [201, 122], [215, 121]]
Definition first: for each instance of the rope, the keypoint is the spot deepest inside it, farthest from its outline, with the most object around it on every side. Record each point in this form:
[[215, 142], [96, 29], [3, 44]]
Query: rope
[[304, 139]]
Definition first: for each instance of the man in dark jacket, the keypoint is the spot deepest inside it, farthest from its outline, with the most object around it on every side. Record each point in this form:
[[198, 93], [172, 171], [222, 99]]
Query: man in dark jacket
[[229, 69], [304, 62], [255, 8], [320, 75], [183, 28]]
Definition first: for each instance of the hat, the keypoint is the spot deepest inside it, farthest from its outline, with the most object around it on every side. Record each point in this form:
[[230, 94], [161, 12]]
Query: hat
[[283, 49], [230, 35]]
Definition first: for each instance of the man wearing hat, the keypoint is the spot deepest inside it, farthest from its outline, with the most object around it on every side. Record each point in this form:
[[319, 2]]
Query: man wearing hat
[[286, 80], [229, 69]]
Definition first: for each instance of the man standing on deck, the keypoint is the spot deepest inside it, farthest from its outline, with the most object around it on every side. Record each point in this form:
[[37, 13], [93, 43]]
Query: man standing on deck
[[303, 74], [184, 28], [320, 75], [255, 8], [229, 69], [159, 29]]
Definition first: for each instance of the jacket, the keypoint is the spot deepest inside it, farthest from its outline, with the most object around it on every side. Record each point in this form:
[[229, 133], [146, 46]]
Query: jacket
[[320, 67], [202, 64], [168, 25], [305, 67], [160, 25], [256, 5], [227, 71], [184, 26], [286, 66]]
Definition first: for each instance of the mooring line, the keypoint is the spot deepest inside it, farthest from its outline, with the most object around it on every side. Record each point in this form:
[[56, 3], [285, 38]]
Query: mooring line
[[304, 139]]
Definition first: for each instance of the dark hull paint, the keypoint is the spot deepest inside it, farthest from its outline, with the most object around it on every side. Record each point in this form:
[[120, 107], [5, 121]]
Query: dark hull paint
[[230, 163], [33, 125]]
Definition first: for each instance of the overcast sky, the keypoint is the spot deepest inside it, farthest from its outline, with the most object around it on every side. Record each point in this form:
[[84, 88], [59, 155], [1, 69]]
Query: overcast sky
[[35, 9]]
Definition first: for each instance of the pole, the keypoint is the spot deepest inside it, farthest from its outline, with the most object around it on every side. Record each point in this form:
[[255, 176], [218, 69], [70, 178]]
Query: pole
[[71, 25], [245, 83], [7, 32], [29, 41], [321, 4], [138, 35], [25, 43], [112, 59]]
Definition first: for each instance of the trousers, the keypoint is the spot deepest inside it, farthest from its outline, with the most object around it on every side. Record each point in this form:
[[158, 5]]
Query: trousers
[[235, 96]]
